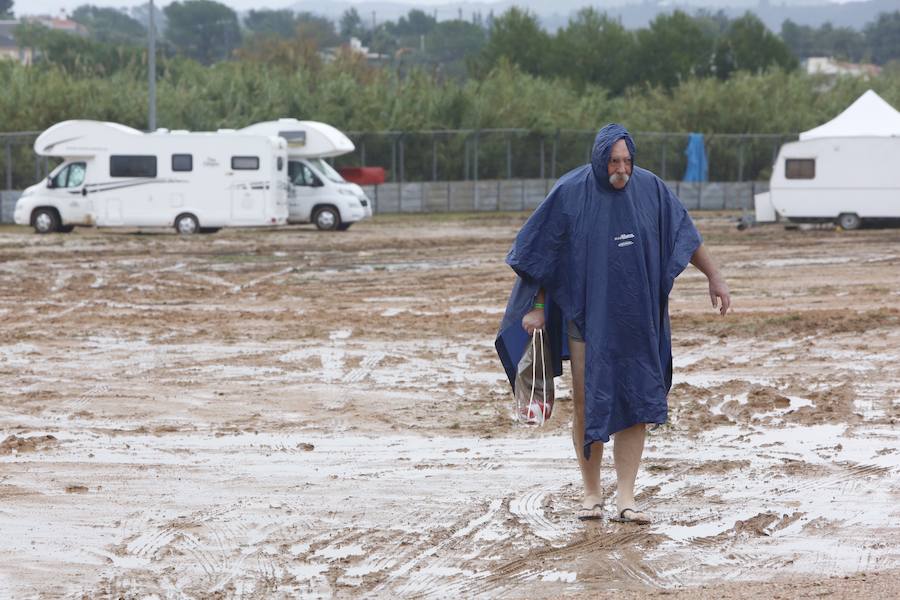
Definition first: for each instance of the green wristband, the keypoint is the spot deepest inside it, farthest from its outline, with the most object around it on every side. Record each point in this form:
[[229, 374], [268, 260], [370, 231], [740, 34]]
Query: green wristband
[[537, 305]]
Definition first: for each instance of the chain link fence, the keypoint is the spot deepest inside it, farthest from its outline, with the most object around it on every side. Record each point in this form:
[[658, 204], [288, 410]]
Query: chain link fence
[[19, 165], [474, 155]]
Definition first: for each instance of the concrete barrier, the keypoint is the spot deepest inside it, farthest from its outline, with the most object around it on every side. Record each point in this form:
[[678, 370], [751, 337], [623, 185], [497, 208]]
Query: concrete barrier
[[505, 194], [8, 205]]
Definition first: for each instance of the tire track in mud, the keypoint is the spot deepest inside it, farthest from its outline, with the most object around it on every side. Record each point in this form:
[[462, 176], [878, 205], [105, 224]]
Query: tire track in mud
[[515, 572], [365, 367], [218, 543], [850, 476], [423, 573], [529, 508]]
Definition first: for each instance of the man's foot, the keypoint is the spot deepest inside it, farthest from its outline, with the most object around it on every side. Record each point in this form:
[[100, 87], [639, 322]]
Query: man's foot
[[590, 513], [591, 507], [630, 515]]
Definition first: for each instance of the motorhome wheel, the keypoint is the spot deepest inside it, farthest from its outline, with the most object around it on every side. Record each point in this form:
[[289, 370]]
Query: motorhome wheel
[[45, 220], [186, 224], [327, 218], [66, 228], [344, 226], [849, 221]]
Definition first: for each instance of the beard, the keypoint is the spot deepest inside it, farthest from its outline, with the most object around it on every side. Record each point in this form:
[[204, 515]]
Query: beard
[[617, 178]]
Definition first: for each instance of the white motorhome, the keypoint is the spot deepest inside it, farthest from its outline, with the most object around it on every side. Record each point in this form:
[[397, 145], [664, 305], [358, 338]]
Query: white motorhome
[[113, 175], [844, 171], [318, 193]]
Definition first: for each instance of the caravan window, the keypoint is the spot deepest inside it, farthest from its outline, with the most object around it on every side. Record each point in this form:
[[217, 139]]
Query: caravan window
[[245, 163], [132, 166], [182, 162], [800, 168]]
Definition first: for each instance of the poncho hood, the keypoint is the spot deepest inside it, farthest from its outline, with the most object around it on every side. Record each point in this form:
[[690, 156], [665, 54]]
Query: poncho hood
[[603, 143]]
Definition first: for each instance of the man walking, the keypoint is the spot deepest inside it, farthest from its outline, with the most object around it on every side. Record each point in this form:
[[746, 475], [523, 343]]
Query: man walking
[[596, 262]]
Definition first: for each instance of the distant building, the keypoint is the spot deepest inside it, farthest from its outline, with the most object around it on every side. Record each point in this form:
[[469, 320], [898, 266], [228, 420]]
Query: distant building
[[825, 65], [57, 23], [355, 47], [9, 47]]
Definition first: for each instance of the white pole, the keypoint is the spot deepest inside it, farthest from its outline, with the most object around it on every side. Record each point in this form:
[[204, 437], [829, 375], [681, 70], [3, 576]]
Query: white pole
[[151, 69]]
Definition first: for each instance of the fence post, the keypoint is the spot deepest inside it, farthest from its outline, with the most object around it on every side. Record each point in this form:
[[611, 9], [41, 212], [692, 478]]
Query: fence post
[[402, 160], [466, 158], [665, 146], [542, 157], [475, 169], [9, 165], [394, 159], [553, 155], [741, 159], [434, 157]]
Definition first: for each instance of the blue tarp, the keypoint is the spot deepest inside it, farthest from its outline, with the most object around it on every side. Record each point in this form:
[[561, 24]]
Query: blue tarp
[[697, 166], [607, 260]]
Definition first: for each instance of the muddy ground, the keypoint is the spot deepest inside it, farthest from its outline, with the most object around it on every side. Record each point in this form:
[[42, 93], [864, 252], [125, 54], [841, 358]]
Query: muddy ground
[[287, 413]]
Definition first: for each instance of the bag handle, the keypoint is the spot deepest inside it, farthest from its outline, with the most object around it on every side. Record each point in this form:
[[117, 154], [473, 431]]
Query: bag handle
[[531, 402]]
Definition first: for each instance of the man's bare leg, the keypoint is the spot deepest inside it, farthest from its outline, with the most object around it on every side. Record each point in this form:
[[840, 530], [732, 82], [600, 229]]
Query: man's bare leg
[[628, 447], [590, 469]]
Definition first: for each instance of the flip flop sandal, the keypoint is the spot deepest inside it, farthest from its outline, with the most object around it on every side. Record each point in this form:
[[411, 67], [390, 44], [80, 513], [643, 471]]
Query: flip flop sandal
[[621, 518], [590, 514]]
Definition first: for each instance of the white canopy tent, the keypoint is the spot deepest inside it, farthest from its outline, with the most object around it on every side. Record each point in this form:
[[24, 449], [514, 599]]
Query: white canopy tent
[[868, 116]]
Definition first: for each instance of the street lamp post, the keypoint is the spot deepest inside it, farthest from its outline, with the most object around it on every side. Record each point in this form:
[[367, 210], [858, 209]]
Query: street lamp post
[[151, 68]]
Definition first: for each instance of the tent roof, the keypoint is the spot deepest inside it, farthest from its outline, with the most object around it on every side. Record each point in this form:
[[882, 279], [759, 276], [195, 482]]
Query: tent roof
[[869, 115]]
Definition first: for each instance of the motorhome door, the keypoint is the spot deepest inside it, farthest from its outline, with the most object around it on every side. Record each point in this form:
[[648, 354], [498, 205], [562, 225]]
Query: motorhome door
[[307, 190], [66, 186], [248, 189]]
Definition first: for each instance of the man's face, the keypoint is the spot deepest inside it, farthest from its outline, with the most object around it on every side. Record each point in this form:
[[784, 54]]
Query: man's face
[[619, 167]]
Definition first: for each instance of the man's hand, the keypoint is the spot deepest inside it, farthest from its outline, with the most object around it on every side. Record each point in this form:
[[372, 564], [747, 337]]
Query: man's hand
[[533, 320], [718, 290]]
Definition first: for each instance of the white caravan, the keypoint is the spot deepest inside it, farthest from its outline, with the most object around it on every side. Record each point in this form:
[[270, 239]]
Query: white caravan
[[845, 171], [318, 193], [113, 175]]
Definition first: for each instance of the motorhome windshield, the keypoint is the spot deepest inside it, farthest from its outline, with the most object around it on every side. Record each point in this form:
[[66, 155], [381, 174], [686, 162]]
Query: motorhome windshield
[[327, 170]]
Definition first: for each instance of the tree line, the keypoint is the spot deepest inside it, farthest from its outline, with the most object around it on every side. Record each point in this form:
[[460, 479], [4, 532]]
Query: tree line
[[592, 49]]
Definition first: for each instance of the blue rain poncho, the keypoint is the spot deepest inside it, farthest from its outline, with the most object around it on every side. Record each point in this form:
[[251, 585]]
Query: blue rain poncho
[[607, 260]]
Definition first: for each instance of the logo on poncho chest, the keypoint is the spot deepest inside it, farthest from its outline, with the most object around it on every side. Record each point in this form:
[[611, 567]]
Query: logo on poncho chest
[[624, 239]]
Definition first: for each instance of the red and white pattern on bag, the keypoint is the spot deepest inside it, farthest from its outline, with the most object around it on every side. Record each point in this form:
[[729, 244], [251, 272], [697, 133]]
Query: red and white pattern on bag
[[539, 405], [537, 412]]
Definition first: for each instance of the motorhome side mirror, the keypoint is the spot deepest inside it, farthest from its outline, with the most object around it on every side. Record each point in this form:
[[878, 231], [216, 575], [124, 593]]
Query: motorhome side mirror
[[316, 182], [49, 181], [84, 191]]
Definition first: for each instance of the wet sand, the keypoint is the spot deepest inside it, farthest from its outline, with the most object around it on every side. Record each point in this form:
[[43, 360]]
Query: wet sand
[[288, 413]]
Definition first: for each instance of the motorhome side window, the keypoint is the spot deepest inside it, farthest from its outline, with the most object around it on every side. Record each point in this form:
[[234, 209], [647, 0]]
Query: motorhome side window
[[800, 168], [245, 163], [182, 162], [70, 176], [132, 166]]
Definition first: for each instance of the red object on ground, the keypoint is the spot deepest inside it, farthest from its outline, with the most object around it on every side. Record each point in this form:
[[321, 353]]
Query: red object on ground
[[363, 175]]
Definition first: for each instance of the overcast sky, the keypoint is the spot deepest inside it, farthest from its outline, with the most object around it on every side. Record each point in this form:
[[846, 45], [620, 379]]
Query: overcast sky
[[32, 7]]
